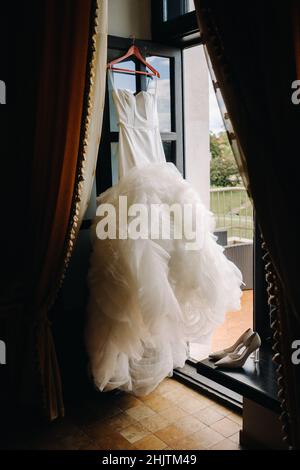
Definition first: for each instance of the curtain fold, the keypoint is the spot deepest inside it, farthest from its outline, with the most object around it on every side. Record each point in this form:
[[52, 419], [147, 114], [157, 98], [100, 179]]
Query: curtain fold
[[70, 48], [232, 137], [96, 106], [254, 50]]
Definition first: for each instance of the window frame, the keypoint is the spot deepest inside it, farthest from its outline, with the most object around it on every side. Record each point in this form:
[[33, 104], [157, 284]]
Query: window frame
[[169, 40], [104, 172], [116, 47], [181, 31]]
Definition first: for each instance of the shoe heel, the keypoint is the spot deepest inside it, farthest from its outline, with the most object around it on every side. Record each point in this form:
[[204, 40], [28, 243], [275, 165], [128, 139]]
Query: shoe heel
[[255, 355], [188, 347]]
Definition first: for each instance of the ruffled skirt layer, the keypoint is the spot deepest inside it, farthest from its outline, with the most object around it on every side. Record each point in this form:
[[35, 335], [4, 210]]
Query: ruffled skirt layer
[[149, 297]]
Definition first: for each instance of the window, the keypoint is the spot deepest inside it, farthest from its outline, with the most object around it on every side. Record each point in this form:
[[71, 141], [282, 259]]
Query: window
[[174, 22], [174, 9], [211, 168], [167, 60], [177, 43]]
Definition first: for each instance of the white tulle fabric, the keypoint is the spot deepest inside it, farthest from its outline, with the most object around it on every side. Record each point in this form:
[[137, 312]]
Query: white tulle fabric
[[148, 298]]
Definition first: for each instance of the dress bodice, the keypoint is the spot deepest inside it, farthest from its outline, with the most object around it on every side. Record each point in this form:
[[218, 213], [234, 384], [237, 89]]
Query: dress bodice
[[139, 137]]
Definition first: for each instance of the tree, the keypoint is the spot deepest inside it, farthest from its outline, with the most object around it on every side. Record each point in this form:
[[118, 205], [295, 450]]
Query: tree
[[215, 149], [223, 168]]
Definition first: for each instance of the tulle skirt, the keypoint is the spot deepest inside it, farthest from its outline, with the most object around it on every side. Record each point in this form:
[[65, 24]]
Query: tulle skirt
[[149, 297]]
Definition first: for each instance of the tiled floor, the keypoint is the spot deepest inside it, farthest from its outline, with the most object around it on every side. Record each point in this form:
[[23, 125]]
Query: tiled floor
[[226, 334], [172, 417], [235, 324]]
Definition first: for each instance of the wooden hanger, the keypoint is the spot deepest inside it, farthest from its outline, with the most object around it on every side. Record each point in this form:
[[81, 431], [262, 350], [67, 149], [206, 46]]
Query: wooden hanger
[[133, 51]]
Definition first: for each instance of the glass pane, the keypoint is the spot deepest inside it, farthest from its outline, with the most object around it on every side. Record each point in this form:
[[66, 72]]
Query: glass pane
[[122, 81], [175, 8], [162, 65], [210, 166], [114, 162], [169, 150]]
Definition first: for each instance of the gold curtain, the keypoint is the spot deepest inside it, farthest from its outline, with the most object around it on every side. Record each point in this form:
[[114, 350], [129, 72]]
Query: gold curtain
[[73, 57], [254, 51]]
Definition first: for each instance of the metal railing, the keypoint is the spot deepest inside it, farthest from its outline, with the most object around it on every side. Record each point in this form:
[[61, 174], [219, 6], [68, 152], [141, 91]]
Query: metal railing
[[233, 212]]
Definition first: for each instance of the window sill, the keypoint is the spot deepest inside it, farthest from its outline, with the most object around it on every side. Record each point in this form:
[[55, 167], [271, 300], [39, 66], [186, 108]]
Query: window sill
[[190, 377], [256, 382]]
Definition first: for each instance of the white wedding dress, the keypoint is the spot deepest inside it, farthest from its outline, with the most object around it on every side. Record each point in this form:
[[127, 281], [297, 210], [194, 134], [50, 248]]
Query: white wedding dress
[[149, 297]]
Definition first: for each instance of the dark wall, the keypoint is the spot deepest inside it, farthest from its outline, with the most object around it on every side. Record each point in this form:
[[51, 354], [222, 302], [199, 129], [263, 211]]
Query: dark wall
[[19, 57], [69, 314]]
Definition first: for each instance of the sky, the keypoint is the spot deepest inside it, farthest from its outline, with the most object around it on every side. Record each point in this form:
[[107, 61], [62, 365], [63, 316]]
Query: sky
[[216, 124], [215, 119]]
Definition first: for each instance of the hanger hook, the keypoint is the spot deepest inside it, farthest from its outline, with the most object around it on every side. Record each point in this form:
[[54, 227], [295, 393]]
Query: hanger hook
[[132, 36]]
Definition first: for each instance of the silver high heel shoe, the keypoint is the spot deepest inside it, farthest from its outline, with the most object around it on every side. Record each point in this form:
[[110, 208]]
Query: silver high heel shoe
[[238, 358], [216, 356]]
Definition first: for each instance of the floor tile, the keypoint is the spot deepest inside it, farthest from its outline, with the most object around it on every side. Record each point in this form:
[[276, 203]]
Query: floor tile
[[171, 434], [156, 422], [189, 424], [226, 427], [153, 394], [76, 441], [235, 438], [234, 325], [223, 410], [172, 414], [134, 433], [151, 443], [175, 395], [114, 441], [158, 403], [91, 446], [104, 409], [127, 401], [140, 412], [62, 428], [226, 444], [189, 442], [199, 396], [121, 421], [103, 428], [207, 437], [171, 417], [97, 430], [237, 418], [94, 412], [208, 416], [192, 405], [168, 385], [42, 443]]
